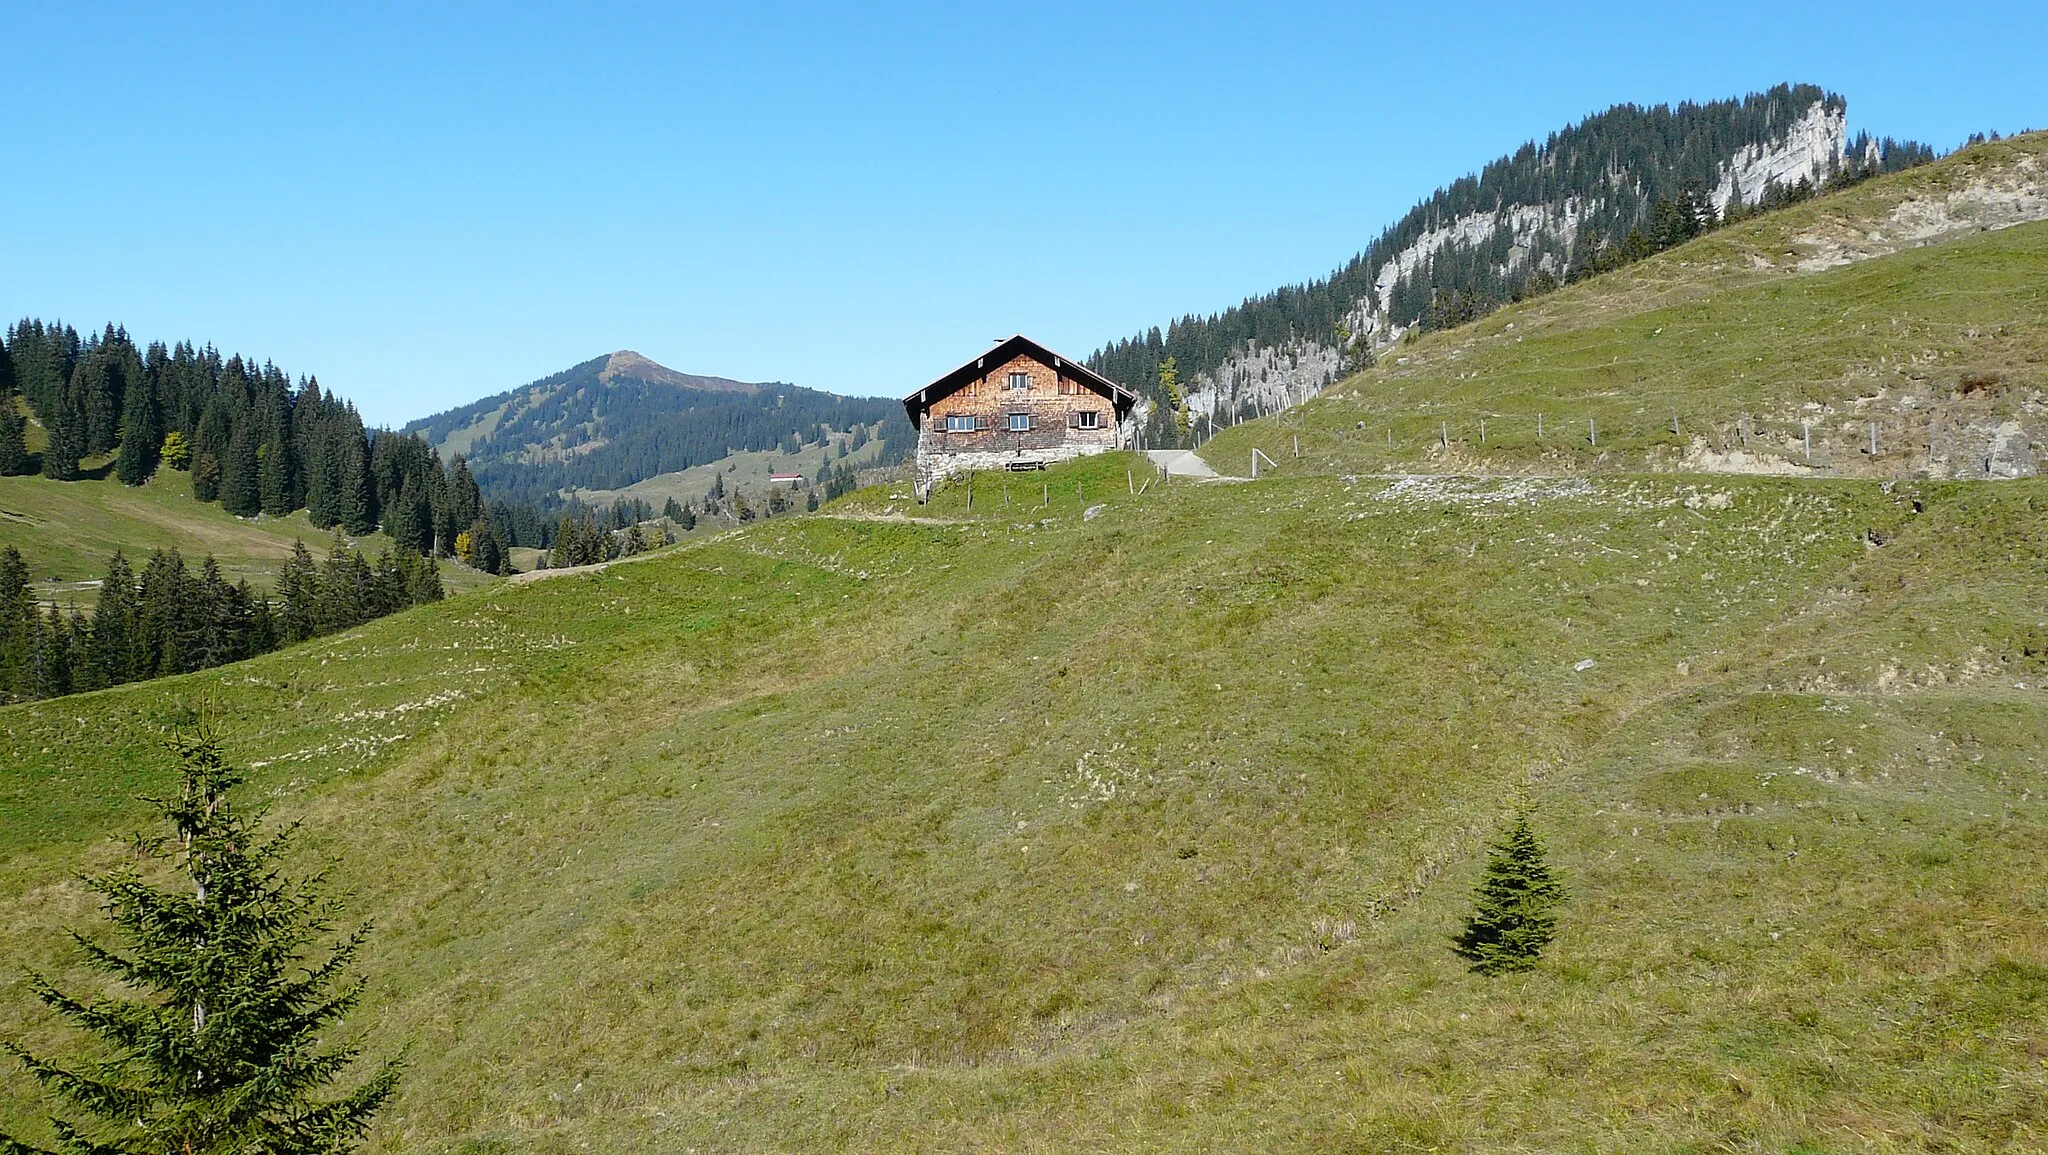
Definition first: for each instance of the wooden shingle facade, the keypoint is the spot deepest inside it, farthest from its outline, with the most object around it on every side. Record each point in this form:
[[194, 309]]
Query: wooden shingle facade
[[1018, 406]]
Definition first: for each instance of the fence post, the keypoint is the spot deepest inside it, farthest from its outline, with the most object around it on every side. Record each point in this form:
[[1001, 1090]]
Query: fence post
[[1444, 433], [1130, 483], [1297, 445], [1674, 425], [1592, 434], [1806, 436], [970, 491], [1482, 431], [1873, 439], [1539, 427]]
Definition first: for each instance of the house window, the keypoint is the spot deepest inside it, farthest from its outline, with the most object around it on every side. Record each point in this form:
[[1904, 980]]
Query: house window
[[1020, 422], [960, 423], [1088, 419], [1020, 381]]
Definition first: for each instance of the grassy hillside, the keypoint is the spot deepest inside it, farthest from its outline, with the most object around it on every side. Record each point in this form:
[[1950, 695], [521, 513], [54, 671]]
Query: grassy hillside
[[1793, 324], [1148, 831], [746, 470], [67, 530]]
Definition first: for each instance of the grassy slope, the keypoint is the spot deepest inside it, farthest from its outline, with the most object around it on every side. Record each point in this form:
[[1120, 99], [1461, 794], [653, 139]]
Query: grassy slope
[[747, 471], [1149, 831], [1727, 325], [68, 529]]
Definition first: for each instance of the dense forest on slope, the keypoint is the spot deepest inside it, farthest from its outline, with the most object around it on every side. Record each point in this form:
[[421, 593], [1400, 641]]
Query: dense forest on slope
[[587, 428], [252, 438], [168, 620], [1604, 177]]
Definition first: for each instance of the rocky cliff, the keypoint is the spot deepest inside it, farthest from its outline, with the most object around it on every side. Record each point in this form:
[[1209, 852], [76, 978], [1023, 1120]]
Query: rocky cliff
[[1476, 242], [1510, 240]]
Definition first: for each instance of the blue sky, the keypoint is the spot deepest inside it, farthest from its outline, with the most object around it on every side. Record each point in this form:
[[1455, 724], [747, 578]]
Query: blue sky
[[425, 203]]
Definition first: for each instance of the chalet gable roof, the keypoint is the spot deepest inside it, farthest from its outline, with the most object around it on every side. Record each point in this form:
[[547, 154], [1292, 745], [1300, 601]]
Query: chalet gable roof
[[1003, 352]]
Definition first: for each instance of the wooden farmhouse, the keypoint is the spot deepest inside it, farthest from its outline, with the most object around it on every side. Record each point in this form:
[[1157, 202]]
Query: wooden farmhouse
[[1018, 406]]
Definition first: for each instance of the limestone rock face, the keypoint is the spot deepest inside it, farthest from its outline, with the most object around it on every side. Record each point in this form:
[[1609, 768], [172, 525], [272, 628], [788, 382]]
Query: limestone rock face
[[1264, 378], [1811, 149]]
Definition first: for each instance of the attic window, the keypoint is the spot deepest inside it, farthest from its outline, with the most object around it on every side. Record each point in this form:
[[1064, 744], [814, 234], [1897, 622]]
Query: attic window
[[1020, 380]]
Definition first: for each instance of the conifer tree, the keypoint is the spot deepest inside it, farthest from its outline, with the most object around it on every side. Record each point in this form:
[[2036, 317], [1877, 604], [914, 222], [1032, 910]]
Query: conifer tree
[[18, 626], [239, 493], [1516, 897], [355, 507], [142, 434], [53, 657], [206, 478], [65, 447], [421, 579], [229, 981], [298, 591], [478, 546], [164, 608], [13, 440], [274, 477], [110, 654], [97, 387], [465, 499], [13, 426], [347, 589]]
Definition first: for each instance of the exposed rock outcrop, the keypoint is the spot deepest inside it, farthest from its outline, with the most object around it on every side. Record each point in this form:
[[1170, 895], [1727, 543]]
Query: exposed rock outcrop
[[1262, 378]]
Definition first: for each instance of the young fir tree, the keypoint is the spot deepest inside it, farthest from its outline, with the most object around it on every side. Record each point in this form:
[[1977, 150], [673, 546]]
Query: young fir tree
[[229, 982], [1514, 921]]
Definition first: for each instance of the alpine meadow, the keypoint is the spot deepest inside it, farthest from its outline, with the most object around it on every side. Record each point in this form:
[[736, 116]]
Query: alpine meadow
[[1573, 680]]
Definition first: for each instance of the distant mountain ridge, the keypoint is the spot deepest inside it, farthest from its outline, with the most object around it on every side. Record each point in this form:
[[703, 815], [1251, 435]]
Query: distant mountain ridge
[[622, 418], [632, 366], [1483, 237]]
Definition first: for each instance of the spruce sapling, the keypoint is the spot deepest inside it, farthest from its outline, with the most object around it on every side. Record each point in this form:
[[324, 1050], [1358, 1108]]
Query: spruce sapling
[[1514, 919], [238, 971]]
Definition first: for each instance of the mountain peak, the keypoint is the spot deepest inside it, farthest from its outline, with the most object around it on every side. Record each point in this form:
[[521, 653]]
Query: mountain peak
[[632, 366]]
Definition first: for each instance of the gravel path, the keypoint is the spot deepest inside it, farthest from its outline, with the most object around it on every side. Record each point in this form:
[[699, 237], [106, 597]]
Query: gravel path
[[1180, 463]]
